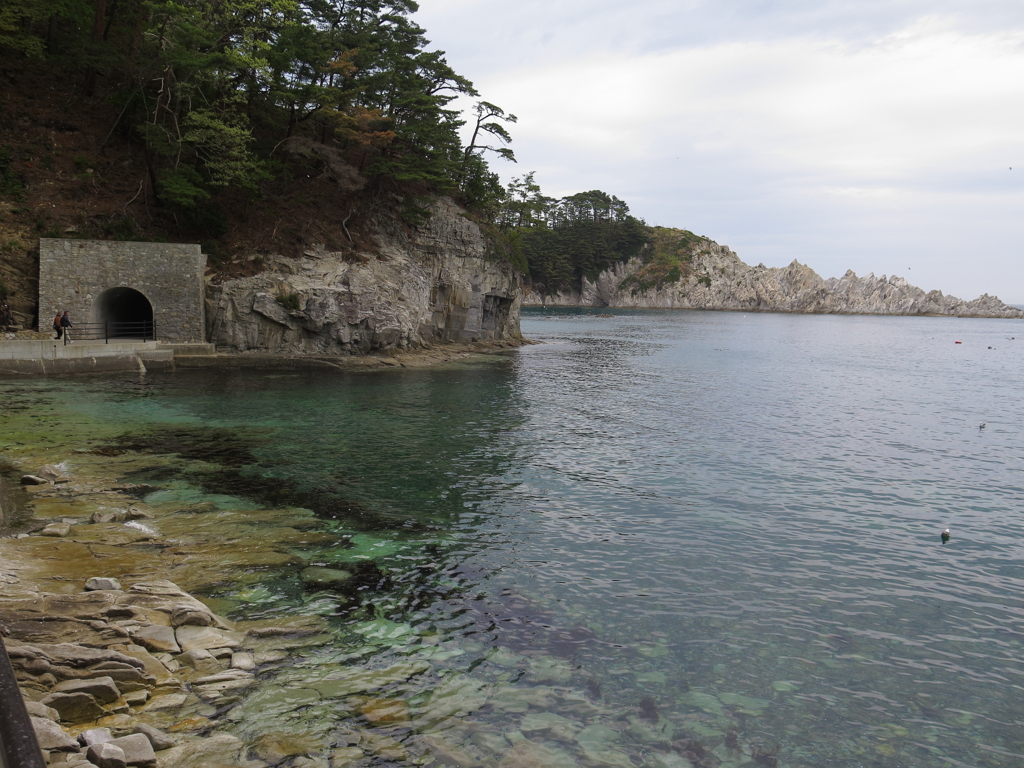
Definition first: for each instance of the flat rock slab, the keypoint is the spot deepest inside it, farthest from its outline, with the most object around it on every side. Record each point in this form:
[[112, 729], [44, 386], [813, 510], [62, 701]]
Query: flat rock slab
[[192, 638], [51, 736], [157, 639], [68, 654], [74, 707], [103, 689]]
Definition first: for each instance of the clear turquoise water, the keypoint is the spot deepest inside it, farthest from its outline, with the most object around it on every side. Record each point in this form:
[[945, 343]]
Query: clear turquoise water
[[736, 516]]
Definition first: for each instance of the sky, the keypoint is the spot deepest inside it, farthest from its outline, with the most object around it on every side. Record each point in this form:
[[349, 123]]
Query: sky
[[869, 135]]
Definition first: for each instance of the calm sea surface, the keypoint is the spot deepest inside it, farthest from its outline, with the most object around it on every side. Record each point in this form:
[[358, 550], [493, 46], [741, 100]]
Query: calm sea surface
[[712, 527]]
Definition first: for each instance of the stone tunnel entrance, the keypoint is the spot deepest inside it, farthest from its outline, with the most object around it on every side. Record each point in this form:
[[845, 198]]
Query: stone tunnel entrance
[[125, 312]]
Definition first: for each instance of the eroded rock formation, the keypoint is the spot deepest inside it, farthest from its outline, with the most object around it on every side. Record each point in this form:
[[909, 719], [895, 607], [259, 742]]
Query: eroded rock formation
[[717, 279], [434, 284]]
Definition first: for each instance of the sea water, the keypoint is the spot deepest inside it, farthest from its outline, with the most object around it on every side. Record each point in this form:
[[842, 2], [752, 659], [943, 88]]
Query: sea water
[[708, 534]]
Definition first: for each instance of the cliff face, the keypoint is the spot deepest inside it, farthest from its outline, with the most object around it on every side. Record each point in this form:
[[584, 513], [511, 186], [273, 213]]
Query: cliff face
[[434, 284], [717, 279]]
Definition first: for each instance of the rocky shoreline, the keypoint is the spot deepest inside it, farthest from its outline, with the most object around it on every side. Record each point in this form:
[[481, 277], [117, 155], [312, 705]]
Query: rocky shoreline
[[126, 675], [712, 277]]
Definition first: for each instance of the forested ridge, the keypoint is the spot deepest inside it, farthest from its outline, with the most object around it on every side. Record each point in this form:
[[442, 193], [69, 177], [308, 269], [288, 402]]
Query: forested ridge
[[265, 126]]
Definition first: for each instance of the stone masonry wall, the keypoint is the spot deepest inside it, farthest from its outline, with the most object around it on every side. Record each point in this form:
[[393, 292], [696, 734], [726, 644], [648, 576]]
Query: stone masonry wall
[[73, 274]]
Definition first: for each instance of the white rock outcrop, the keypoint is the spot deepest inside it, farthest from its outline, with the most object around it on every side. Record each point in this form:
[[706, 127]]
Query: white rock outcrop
[[434, 283], [718, 279]]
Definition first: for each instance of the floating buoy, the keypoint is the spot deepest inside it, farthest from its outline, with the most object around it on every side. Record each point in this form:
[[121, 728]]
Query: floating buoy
[[945, 536], [983, 425]]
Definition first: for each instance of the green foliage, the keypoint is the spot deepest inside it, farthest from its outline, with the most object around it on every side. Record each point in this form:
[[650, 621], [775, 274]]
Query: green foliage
[[289, 301], [210, 89], [667, 262], [563, 241]]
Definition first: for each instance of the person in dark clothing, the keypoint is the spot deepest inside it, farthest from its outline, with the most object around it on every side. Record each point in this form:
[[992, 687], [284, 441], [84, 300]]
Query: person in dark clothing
[[56, 326], [65, 325]]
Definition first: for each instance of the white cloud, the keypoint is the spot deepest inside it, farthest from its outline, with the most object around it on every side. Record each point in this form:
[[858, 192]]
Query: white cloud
[[786, 134]]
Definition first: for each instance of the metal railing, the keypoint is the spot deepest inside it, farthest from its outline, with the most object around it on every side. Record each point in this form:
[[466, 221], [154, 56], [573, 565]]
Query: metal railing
[[18, 745], [105, 331]]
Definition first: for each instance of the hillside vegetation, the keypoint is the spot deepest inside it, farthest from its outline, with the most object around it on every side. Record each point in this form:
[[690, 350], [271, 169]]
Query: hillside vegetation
[[259, 128]]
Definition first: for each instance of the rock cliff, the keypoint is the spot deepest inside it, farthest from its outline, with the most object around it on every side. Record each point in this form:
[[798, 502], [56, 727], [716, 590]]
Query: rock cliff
[[714, 278], [435, 283]]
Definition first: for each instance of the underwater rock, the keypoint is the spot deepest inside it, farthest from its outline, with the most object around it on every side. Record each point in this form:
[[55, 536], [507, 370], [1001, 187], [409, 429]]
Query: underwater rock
[[324, 577], [545, 669], [384, 711], [275, 748], [218, 748], [448, 753], [527, 754], [353, 680], [596, 737], [650, 733], [457, 696], [550, 726], [609, 758], [343, 757]]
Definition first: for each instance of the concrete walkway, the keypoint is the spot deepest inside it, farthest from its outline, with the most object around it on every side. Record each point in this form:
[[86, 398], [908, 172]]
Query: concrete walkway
[[44, 357]]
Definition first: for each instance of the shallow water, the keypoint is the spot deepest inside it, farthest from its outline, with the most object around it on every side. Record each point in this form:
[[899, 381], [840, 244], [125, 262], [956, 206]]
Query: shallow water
[[733, 519]]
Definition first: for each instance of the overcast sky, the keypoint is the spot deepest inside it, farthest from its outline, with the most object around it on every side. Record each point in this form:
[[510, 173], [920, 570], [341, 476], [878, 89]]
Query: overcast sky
[[869, 135]]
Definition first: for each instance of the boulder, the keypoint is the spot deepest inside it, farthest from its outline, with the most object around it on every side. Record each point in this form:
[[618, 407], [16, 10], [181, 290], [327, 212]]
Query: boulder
[[98, 583], [74, 707], [59, 530], [51, 473], [51, 736], [157, 738], [137, 749], [95, 736], [107, 755], [134, 513], [103, 689], [33, 480], [157, 639]]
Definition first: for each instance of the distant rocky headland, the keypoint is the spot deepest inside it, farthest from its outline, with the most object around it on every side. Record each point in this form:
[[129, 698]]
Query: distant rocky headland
[[711, 276]]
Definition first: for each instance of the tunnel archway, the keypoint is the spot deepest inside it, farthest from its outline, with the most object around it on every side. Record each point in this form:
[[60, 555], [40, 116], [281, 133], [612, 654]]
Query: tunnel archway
[[125, 312]]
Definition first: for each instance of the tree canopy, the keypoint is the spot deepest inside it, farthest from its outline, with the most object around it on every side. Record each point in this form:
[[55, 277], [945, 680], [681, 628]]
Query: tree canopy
[[211, 87]]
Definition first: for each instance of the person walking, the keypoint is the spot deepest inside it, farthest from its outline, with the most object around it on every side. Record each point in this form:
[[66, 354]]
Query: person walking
[[56, 326], [65, 325]]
